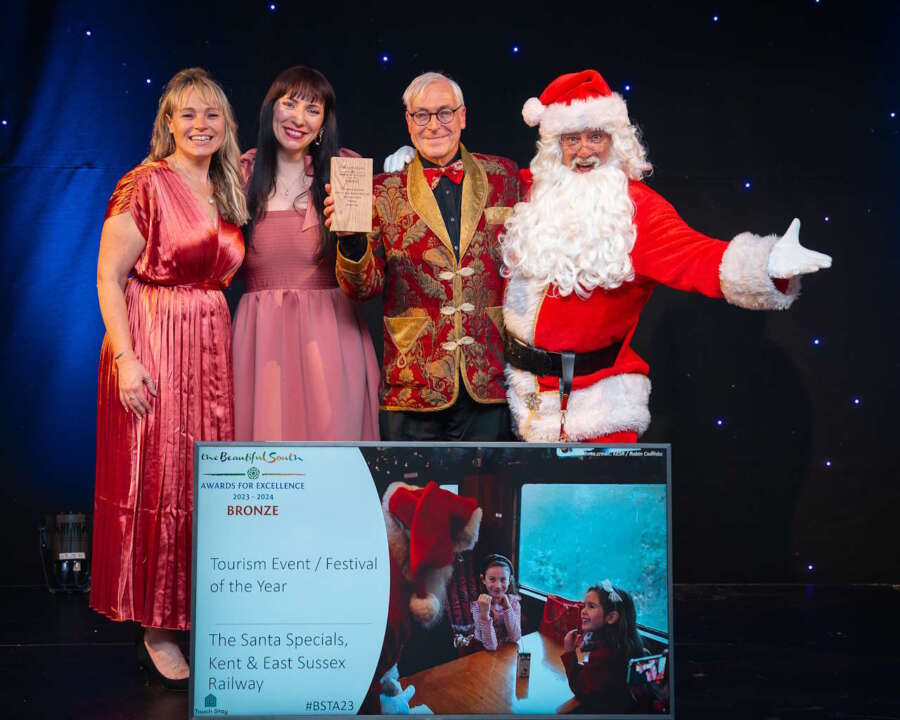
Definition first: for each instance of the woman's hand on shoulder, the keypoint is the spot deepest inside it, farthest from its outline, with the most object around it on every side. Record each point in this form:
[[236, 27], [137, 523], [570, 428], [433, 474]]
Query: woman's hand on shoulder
[[134, 384]]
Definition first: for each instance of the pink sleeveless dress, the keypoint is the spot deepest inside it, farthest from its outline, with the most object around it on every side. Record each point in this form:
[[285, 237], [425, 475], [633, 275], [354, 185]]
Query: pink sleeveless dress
[[304, 365]]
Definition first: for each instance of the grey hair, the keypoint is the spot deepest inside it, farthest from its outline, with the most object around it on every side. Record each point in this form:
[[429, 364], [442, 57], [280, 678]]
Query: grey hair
[[418, 85]]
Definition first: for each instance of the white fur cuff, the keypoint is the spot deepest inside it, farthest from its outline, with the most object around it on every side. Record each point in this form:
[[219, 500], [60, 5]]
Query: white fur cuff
[[615, 404], [744, 275]]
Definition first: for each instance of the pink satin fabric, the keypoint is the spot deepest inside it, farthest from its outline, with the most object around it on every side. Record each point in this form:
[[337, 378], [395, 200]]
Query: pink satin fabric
[[304, 365], [181, 332]]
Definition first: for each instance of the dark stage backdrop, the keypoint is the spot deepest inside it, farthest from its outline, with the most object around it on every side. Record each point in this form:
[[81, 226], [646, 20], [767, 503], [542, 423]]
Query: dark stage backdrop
[[782, 424]]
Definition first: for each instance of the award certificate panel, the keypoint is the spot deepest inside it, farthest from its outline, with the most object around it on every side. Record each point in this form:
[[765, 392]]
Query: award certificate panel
[[291, 580]]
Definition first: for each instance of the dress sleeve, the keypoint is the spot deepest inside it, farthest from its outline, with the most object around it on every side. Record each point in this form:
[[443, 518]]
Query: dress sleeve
[[484, 629], [134, 195], [512, 618]]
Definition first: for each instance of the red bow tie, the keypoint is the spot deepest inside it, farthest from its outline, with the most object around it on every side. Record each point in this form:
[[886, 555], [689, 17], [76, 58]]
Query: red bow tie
[[454, 171]]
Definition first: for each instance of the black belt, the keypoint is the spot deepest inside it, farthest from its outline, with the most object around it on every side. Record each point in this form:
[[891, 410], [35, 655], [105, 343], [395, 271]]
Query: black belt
[[545, 362], [565, 365]]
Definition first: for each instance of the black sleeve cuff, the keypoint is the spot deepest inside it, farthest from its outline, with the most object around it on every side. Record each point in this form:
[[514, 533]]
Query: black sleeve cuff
[[353, 247]]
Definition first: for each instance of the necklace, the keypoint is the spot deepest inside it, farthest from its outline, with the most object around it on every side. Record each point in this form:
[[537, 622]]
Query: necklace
[[296, 186]]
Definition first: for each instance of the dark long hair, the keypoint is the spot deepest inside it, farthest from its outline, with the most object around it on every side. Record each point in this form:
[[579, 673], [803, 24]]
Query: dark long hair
[[303, 83], [621, 635]]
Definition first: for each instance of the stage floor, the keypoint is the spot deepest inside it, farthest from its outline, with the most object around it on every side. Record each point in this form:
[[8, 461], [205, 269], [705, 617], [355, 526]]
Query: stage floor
[[769, 652]]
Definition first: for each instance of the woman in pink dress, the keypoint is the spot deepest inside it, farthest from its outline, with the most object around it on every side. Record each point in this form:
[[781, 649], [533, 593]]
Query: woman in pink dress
[[304, 365], [170, 243]]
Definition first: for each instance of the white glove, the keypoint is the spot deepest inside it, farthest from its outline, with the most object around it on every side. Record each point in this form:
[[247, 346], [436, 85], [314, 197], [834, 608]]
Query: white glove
[[397, 704], [789, 258], [398, 160]]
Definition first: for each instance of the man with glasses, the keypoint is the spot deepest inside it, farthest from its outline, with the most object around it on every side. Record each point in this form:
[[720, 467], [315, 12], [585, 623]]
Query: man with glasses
[[434, 258], [583, 256]]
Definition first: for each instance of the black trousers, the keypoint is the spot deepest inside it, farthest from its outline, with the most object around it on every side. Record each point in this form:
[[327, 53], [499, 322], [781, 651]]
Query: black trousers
[[462, 421]]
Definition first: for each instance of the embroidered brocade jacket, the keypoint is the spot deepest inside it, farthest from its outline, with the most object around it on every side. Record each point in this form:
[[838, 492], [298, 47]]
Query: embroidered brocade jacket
[[443, 319]]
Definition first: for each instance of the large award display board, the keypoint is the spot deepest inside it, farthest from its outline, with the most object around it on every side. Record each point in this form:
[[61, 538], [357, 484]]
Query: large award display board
[[298, 567], [290, 580]]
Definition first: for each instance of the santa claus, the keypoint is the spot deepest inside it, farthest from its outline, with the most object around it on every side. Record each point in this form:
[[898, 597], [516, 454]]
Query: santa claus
[[426, 528], [583, 256]]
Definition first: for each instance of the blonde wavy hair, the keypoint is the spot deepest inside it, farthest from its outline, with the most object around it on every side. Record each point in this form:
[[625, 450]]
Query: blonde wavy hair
[[224, 168]]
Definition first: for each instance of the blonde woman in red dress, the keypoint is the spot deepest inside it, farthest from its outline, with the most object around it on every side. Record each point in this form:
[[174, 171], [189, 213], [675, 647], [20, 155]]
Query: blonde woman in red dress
[[170, 243]]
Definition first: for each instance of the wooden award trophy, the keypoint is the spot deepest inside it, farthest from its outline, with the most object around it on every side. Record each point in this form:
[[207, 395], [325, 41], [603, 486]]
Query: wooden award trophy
[[351, 188]]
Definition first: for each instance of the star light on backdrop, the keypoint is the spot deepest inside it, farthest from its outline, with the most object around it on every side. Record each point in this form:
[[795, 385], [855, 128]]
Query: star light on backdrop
[[132, 75]]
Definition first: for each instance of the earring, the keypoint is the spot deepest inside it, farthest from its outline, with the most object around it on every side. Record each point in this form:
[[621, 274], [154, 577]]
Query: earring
[[321, 135]]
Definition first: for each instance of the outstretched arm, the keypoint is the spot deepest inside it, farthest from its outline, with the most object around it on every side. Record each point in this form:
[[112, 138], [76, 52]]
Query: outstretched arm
[[751, 271]]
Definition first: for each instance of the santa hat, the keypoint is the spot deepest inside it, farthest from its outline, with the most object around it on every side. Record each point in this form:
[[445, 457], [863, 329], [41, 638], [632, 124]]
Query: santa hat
[[576, 102], [440, 524]]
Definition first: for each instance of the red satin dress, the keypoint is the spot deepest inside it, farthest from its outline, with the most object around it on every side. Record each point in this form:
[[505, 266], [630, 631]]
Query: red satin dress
[[181, 331]]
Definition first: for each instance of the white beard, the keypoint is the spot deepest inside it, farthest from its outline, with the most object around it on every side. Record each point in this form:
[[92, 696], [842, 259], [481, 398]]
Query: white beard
[[576, 231]]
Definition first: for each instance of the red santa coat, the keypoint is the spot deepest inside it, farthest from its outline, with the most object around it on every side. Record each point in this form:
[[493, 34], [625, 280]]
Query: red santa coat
[[616, 399]]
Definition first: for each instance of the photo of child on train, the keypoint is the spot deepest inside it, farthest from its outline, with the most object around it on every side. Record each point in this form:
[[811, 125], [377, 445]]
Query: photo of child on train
[[497, 612], [540, 526], [609, 640]]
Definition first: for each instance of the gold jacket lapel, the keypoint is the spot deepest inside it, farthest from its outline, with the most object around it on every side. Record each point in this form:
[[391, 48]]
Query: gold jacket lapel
[[422, 200], [474, 198]]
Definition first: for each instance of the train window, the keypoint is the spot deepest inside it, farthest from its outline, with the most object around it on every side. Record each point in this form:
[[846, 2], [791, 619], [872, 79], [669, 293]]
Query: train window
[[452, 487], [573, 536]]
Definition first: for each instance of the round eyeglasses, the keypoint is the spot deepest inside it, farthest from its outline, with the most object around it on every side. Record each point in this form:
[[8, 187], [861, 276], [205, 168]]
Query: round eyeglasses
[[423, 117]]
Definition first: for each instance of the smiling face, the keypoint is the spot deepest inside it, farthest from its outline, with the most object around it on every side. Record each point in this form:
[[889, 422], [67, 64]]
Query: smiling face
[[593, 616], [296, 123], [435, 141], [584, 151], [197, 126], [496, 580]]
